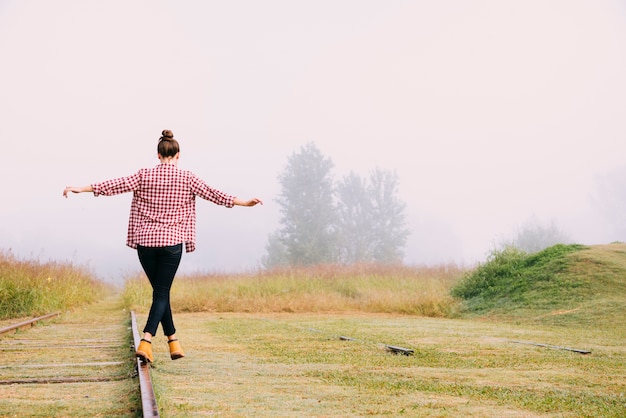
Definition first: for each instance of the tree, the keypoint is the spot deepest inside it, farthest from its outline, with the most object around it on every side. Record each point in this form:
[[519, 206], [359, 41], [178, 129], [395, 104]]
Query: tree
[[356, 221], [354, 210], [307, 235], [371, 218], [390, 232]]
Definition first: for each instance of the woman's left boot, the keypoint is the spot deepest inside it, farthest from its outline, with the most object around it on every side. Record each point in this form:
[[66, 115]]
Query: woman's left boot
[[176, 351], [144, 351]]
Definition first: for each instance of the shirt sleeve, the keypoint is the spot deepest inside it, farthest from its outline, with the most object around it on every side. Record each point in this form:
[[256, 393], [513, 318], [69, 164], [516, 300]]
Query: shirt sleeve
[[201, 189], [117, 186]]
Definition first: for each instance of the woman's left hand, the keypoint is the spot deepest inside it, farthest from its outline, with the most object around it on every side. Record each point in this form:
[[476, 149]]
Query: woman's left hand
[[251, 202]]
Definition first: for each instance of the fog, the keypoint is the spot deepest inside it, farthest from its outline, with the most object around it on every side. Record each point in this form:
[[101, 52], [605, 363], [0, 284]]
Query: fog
[[490, 112]]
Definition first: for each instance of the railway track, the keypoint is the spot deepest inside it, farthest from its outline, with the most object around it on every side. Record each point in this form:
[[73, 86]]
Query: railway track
[[77, 364]]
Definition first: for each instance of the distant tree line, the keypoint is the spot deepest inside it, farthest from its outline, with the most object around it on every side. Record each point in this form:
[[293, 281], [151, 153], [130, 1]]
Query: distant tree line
[[325, 221]]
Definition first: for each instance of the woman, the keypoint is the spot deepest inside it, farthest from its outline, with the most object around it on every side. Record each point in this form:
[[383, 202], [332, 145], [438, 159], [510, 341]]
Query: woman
[[162, 218]]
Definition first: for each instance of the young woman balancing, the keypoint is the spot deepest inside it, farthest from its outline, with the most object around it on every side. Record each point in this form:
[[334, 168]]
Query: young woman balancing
[[162, 219]]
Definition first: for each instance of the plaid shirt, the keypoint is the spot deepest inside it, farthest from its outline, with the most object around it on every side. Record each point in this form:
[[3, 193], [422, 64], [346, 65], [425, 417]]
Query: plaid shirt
[[163, 210]]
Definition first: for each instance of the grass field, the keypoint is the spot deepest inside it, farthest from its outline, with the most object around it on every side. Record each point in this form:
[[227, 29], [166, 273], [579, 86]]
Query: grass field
[[243, 365], [477, 357], [313, 342]]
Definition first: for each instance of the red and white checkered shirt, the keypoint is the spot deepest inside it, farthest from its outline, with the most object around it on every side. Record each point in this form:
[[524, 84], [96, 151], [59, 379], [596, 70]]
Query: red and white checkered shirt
[[163, 210]]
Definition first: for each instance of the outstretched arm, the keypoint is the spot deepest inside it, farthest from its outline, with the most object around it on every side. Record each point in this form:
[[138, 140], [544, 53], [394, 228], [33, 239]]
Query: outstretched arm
[[77, 190], [251, 202]]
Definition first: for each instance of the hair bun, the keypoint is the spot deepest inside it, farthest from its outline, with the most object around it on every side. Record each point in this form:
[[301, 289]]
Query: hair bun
[[167, 134]]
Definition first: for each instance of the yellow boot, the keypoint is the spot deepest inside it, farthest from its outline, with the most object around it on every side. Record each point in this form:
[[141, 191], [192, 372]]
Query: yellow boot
[[175, 349], [144, 351]]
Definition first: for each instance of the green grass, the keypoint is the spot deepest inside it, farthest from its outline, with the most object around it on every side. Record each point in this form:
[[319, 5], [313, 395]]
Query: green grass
[[30, 287], [510, 278], [566, 285]]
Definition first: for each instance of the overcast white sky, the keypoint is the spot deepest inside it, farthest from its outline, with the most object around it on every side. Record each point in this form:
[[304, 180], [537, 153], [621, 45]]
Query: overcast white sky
[[490, 111]]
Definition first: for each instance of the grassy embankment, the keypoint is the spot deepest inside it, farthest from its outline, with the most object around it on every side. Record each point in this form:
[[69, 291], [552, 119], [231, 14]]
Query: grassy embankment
[[564, 285], [32, 288]]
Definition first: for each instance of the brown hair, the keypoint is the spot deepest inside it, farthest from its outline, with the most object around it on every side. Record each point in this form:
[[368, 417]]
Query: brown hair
[[168, 146]]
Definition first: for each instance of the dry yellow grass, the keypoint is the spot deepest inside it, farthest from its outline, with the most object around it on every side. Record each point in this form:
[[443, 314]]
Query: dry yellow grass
[[365, 288], [32, 287]]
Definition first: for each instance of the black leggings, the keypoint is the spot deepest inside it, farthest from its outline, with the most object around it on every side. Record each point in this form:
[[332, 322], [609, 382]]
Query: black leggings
[[160, 265]]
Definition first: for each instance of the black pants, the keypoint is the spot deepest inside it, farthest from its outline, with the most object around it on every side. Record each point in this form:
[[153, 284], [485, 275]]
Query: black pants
[[160, 265]]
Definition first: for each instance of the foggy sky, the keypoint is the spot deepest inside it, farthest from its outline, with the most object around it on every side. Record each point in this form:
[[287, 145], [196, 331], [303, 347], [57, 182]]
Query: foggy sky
[[491, 113]]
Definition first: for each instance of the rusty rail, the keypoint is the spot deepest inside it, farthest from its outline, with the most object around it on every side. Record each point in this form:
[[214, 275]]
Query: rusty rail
[[148, 400], [558, 347], [30, 322]]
